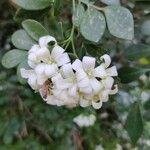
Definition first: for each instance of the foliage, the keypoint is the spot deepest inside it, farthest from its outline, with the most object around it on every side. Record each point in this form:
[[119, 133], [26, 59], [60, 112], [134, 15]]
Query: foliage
[[120, 28]]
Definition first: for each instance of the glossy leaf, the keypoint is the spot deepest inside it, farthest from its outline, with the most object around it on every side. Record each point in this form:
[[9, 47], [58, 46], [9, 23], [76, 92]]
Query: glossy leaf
[[78, 15], [135, 52], [33, 4], [120, 22], [129, 74], [13, 58], [111, 2], [134, 123], [22, 40], [34, 29], [93, 25]]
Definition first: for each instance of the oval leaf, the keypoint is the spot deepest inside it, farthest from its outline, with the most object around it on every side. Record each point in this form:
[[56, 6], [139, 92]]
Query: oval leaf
[[111, 2], [34, 29], [129, 74], [120, 22], [134, 123], [78, 15], [33, 4], [22, 40], [135, 52], [13, 58], [93, 25]]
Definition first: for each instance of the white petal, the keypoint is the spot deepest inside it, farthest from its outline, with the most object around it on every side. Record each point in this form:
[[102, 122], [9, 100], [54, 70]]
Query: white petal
[[41, 79], [67, 71], [63, 59], [108, 82], [51, 70], [26, 73], [32, 57], [88, 63], [107, 60], [97, 105], [73, 91], [100, 72], [104, 95], [40, 69], [32, 64], [43, 53], [32, 81], [77, 65], [112, 71], [115, 90], [84, 103], [34, 48], [43, 41], [57, 78], [63, 84], [96, 85], [57, 51], [86, 90], [80, 75], [84, 82]]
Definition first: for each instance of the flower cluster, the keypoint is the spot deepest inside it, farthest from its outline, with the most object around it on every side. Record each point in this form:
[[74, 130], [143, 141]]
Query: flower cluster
[[61, 83], [85, 121]]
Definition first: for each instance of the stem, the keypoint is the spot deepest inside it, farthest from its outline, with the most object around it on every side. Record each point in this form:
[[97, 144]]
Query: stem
[[90, 5]]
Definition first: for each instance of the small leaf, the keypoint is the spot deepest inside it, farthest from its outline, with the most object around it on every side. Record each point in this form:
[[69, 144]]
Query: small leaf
[[13, 58], [134, 123], [146, 28], [23, 14], [34, 29], [129, 74], [120, 22], [23, 64], [78, 15], [22, 40], [93, 25], [135, 52], [33, 4]]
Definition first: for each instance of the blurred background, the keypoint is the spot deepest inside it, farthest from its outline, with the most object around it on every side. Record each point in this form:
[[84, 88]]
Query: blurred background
[[26, 122]]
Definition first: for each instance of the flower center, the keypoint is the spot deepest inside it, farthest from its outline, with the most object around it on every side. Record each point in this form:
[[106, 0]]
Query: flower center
[[90, 73]]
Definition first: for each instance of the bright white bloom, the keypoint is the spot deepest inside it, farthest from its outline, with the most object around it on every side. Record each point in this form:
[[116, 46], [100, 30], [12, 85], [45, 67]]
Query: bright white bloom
[[41, 54], [85, 121], [86, 74], [64, 84]]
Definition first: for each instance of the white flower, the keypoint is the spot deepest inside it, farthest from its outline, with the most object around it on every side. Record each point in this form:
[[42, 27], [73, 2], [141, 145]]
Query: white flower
[[31, 76], [85, 121], [41, 54], [86, 74], [67, 80], [99, 147]]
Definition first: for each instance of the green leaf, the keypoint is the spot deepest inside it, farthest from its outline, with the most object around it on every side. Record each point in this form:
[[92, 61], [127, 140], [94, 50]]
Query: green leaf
[[120, 22], [134, 123], [23, 14], [129, 74], [111, 2], [135, 52], [13, 58], [22, 40], [23, 64], [78, 15], [33, 4], [34, 29], [93, 25], [146, 28]]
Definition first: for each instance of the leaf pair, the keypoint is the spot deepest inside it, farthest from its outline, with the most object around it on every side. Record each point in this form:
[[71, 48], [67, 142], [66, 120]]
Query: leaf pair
[[92, 23]]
